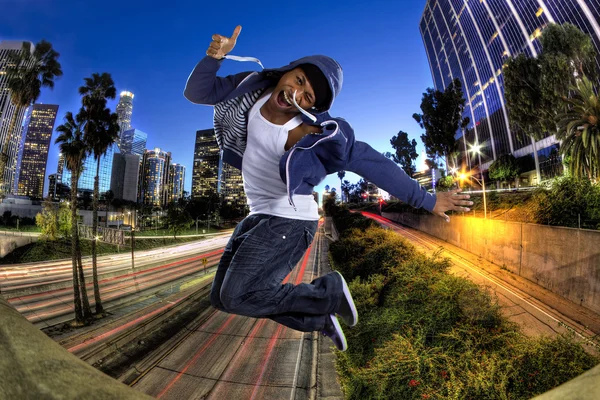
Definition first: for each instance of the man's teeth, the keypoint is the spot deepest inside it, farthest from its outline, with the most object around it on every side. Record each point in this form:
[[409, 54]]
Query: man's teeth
[[285, 96]]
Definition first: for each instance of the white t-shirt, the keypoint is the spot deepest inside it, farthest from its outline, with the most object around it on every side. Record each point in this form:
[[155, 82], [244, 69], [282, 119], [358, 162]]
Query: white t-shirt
[[266, 192]]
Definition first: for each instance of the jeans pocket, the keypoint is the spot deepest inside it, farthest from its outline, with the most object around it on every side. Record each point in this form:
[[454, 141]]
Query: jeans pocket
[[280, 226]]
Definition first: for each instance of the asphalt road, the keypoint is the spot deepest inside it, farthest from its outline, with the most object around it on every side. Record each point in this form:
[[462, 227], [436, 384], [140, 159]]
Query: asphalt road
[[43, 292], [234, 357]]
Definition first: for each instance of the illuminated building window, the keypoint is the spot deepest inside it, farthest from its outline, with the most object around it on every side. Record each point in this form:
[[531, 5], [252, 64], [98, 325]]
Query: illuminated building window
[[539, 12]]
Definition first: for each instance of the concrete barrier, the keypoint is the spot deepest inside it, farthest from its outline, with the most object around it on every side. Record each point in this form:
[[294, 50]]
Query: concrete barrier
[[9, 242], [585, 386], [563, 260], [33, 366]]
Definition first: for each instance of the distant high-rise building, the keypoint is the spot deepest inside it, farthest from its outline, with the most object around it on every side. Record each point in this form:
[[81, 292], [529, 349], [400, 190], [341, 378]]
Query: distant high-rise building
[[176, 181], [7, 112], [133, 141], [155, 177], [86, 180], [32, 161], [231, 186], [124, 110], [470, 41], [125, 176], [52, 186], [20, 147], [205, 173], [61, 166]]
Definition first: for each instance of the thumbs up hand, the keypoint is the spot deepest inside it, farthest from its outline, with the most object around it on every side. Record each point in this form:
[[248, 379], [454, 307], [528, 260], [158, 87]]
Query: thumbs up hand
[[222, 45]]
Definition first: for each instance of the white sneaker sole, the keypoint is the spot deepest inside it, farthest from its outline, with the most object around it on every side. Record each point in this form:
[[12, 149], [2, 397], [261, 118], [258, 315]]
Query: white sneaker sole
[[350, 301]]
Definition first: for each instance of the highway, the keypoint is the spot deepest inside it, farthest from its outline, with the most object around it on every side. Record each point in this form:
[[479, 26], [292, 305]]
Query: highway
[[43, 292], [224, 356]]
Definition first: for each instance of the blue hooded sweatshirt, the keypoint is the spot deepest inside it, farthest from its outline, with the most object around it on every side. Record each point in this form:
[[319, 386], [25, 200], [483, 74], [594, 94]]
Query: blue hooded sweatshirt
[[309, 161]]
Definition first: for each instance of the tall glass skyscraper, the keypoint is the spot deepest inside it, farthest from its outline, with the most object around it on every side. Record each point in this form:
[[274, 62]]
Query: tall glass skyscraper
[[155, 177], [231, 186], [205, 173], [124, 110], [133, 141], [31, 165], [471, 40], [176, 181], [86, 180], [7, 111]]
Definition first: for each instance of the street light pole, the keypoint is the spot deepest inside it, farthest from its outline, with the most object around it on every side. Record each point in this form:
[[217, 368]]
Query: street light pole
[[482, 186]]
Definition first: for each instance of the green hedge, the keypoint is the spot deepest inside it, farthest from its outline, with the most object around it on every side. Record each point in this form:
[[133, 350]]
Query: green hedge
[[424, 333]]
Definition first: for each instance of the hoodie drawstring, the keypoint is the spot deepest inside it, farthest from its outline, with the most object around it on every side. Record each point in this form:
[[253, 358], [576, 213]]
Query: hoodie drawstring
[[303, 111], [238, 58]]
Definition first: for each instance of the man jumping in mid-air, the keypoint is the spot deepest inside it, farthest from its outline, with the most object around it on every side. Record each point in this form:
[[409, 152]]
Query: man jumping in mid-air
[[274, 126]]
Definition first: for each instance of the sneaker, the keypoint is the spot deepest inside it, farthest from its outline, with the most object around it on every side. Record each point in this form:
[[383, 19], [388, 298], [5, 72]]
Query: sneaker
[[334, 331], [347, 310]]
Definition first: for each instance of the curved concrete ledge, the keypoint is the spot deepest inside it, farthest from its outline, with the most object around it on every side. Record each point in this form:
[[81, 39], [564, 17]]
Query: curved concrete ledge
[[33, 366], [585, 386]]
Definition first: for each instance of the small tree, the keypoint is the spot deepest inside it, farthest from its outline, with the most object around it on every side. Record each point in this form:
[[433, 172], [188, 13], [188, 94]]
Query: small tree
[[47, 220], [441, 118], [505, 168], [341, 175], [579, 130], [406, 152], [179, 219]]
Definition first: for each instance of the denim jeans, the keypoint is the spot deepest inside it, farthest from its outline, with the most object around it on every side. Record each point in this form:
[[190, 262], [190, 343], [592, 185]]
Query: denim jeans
[[259, 255]]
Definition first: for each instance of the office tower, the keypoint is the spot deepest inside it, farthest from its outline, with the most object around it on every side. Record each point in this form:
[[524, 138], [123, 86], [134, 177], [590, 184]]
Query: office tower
[[205, 172], [61, 165], [471, 40], [133, 141], [231, 186], [155, 177], [31, 170], [7, 112], [176, 181], [124, 110], [125, 176], [52, 186], [86, 180]]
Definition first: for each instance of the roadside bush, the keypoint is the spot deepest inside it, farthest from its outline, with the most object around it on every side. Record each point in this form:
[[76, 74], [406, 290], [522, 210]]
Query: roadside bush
[[566, 201], [426, 334]]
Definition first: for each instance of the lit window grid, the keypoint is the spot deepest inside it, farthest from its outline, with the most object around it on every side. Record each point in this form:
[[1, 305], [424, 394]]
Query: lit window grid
[[86, 180], [206, 164], [458, 54]]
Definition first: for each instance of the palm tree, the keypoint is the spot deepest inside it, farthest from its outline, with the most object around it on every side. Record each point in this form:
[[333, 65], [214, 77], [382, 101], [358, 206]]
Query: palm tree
[[341, 175], [27, 73], [101, 132], [74, 149], [578, 129], [109, 196]]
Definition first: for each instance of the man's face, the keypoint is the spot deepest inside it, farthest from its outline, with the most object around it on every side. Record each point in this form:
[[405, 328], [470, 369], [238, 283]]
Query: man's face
[[293, 81]]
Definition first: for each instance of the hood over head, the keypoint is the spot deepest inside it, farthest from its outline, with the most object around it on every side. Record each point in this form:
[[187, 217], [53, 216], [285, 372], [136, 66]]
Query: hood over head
[[330, 68]]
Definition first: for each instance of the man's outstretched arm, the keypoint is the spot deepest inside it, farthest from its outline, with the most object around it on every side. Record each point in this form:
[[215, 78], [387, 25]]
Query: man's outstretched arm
[[383, 172]]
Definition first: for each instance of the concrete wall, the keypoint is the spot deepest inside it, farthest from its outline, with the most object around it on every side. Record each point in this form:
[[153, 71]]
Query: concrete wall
[[563, 260], [9, 242], [33, 366]]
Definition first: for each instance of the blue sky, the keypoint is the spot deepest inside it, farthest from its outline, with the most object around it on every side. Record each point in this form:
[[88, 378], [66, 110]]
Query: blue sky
[[151, 50]]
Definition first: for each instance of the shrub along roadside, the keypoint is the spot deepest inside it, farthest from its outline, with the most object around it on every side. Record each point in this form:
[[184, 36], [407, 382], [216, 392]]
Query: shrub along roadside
[[424, 333]]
